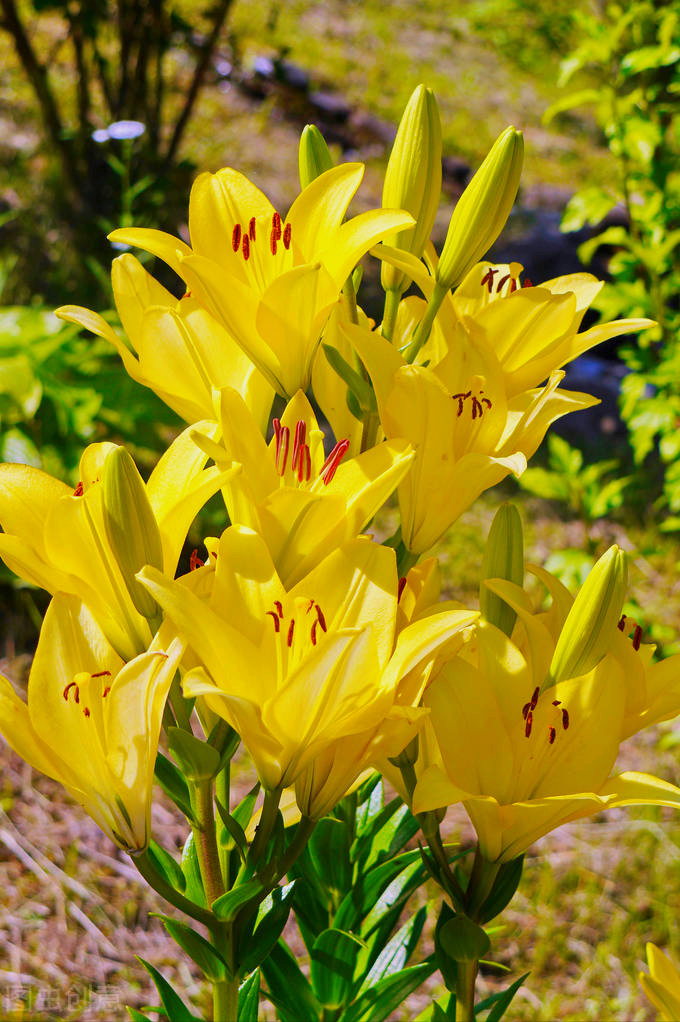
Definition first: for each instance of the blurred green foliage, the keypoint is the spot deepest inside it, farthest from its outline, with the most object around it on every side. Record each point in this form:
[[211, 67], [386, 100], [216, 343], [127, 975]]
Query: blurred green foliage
[[631, 53]]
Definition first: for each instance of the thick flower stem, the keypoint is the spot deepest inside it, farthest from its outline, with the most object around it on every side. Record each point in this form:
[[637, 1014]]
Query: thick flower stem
[[225, 1001], [392, 299], [206, 840], [422, 331], [465, 991], [481, 883]]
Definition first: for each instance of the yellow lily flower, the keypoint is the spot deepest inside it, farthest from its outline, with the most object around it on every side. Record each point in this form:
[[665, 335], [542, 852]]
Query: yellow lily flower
[[92, 721], [270, 282], [178, 349], [55, 537], [532, 330], [662, 985], [427, 630], [303, 503], [524, 761], [468, 434], [294, 670]]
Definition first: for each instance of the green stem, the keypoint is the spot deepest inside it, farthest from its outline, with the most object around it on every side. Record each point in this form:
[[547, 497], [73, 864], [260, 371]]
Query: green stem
[[370, 431], [482, 879], [179, 706], [146, 867], [392, 299], [465, 991], [350, 296], [270, 808], [206, 841], [225, 1000], [422, 331], [222, 793], [406, 559], [305, 829]]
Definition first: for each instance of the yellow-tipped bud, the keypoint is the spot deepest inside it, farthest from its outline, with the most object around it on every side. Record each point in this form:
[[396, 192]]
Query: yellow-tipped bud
[[314, 157], [503, 558], [588, 632], [131, 526], [413, 179], [483, 208]]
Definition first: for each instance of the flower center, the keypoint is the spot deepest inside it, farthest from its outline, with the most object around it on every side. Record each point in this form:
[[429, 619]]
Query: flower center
[[561, 717], [478, 404], [301, 459], [625, 625], [287, 628], [74, 687], [488, 280], [243, 239]]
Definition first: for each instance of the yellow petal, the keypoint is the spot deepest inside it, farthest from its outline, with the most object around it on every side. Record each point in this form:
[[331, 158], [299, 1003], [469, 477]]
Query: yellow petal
[[158, 243]]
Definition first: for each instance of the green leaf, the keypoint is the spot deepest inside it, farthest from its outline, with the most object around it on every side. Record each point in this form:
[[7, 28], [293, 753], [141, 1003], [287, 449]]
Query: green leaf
[[137, 1016], [227, 905], [380, 1001], [503, 890], [500, 1002], [199, 760], [173, 784], [365, 893], [271, 918], [196, 947], [435, 1013], [360, 388], [244, 810], [173, 1004], [289, 989], [235, 831], [192, 873], [580, 98], [333, 958], [395, 954], [249, 997], [167, 866], [589, 206], [328, 853]]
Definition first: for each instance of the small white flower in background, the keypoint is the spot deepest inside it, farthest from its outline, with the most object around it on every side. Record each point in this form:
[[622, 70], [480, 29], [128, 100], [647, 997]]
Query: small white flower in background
[[119, 130]]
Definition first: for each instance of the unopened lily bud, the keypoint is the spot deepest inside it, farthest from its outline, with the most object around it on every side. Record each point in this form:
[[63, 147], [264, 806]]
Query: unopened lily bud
[[131, 526], [588, 632], [503, 558], [483, 208], [314, 157], [413, 179]]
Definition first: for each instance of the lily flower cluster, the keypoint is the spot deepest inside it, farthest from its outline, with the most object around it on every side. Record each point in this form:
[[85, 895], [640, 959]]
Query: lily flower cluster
[[324, 651]]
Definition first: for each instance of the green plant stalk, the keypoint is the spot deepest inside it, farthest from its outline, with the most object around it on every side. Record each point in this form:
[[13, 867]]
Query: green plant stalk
[[178, 705], [481, 883], [465, 991], [422, 331], [350, 297], [222, 792], [392, 299], [270, 808]]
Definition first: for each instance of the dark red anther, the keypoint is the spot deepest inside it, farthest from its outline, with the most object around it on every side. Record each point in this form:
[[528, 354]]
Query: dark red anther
[[551, 734], [276, 620], [236, 237], [310, 606], [246, 247], [534, 698], [637, 637], [565, 719], [276, 225], [461, 398], [304, 464], [300, 436], [527, 283], [401, 587], [525, 710], [530, 720], [279, 607], [282, 445], [106, 691], [251, 229], [76, 697], [291, 629], [622, 623], [501, 282], [86, 711], [513, 285], [556, 702], [321, 619], [313, 632], [272, 241], [101, 674], [78, 492], [187, 294], [195, 561], [488, 278], [476, 408], [287, 230], [66, 690], [330, 465]]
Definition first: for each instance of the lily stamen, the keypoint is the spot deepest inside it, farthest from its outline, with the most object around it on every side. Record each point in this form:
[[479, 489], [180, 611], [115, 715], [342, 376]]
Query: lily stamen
[[330, 465], [195, 561], [276, 619], [78, 492], [530, 720], [551, 735], [101, 674], [70, 685], [291, 629], [488, 279], [236, 238], [246, 247], [251, 229], [287, 231], [300, 436]]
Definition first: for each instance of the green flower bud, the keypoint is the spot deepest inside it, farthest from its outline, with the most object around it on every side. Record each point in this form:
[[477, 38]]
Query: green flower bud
[[503, 558], [587, 633], [313, 156], [131, 527], [413, 179], [463, 940], [483, 208]]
